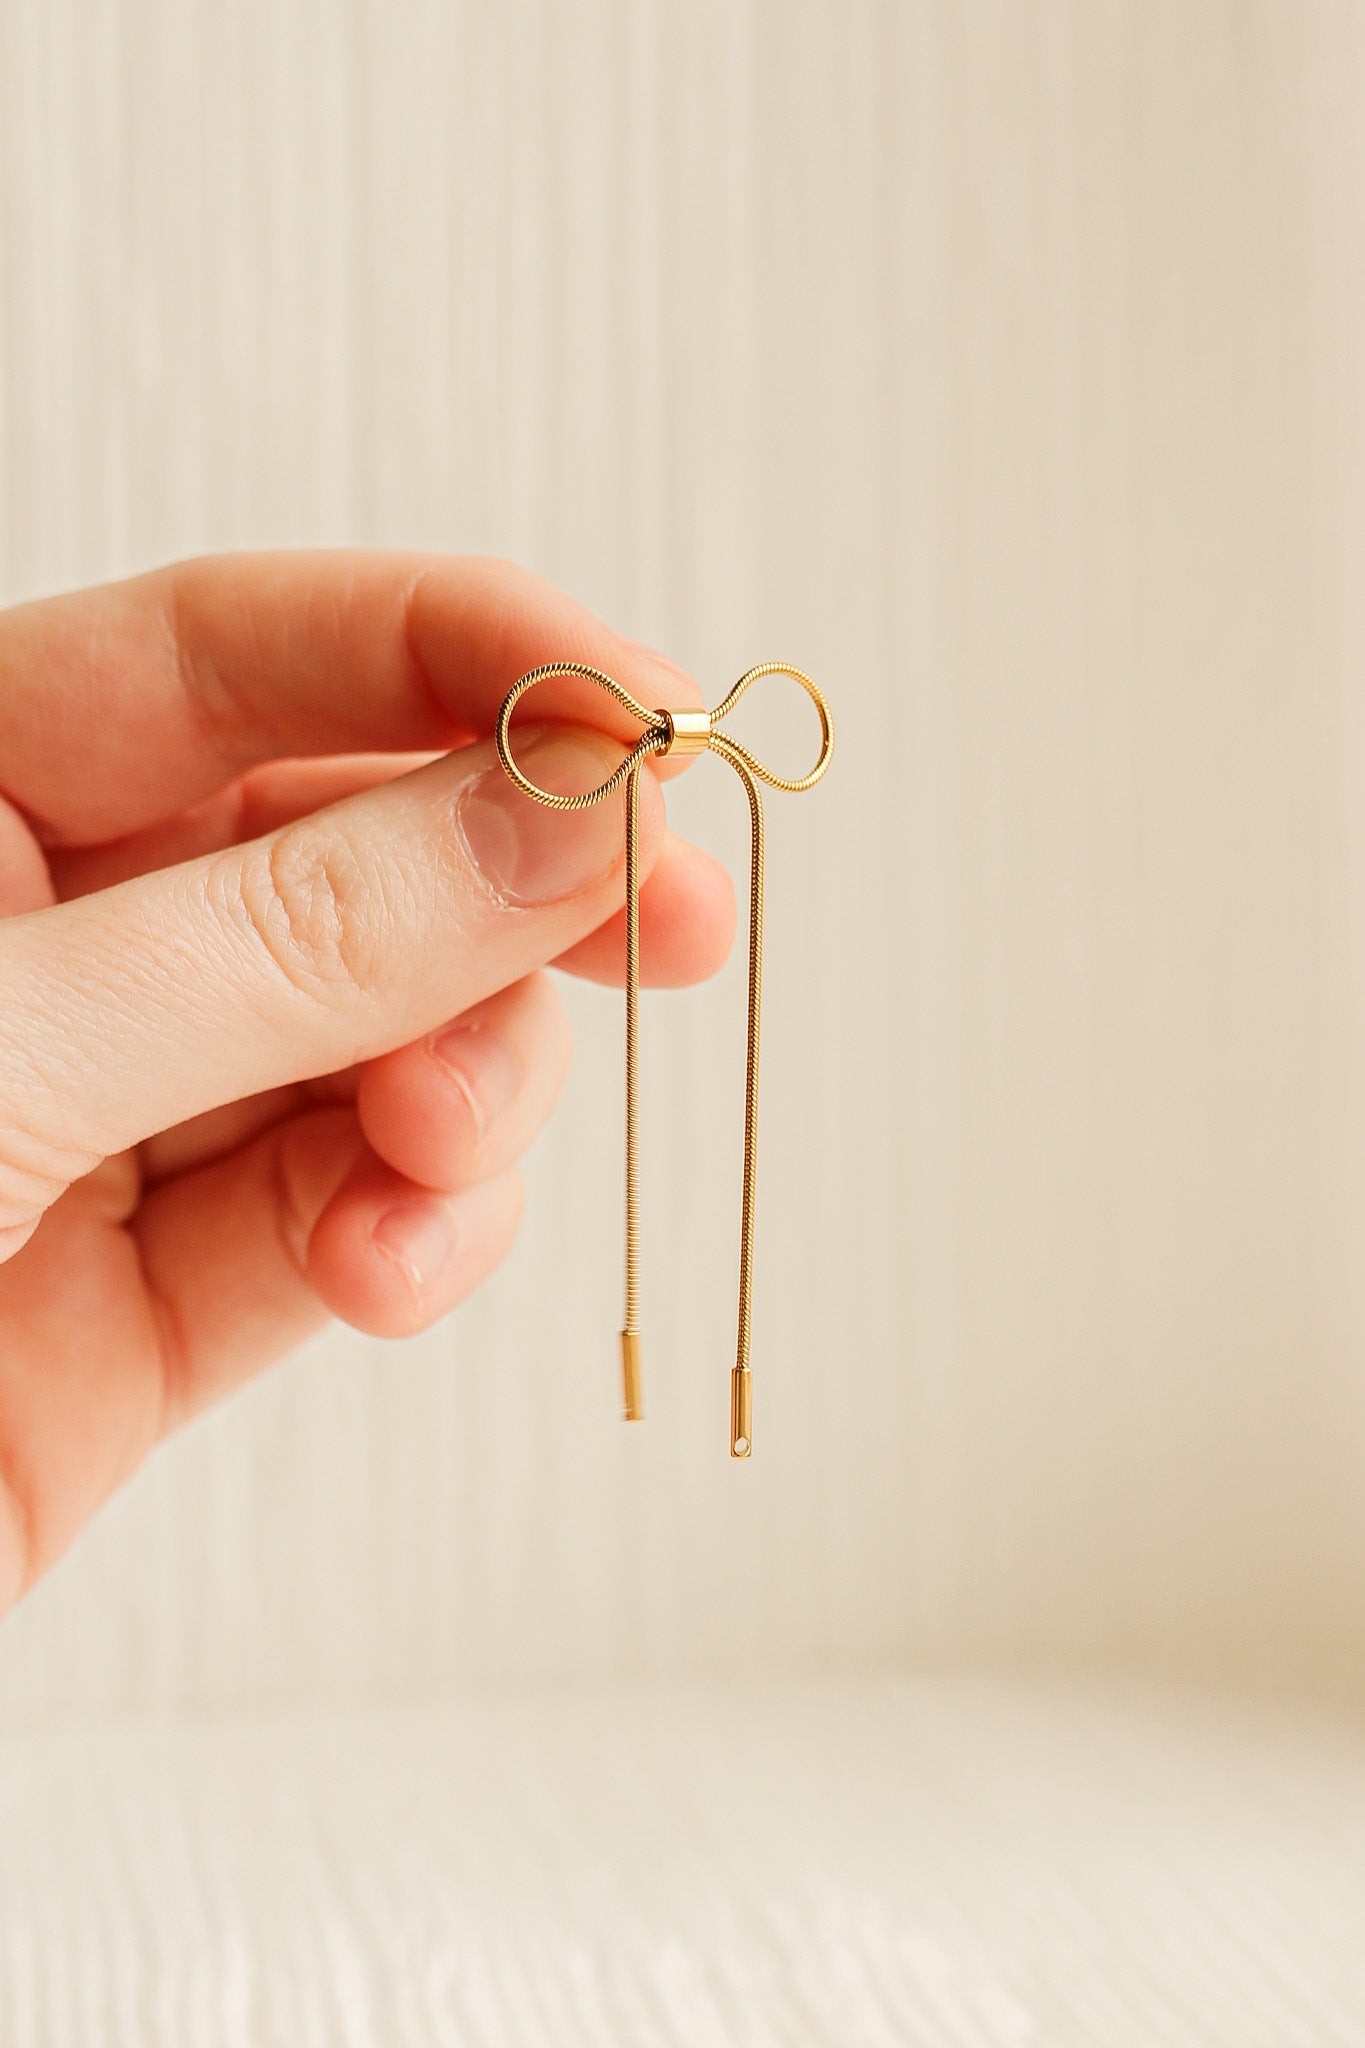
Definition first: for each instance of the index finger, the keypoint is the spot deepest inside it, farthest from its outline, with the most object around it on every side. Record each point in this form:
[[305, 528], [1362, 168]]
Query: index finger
[[122, 704]]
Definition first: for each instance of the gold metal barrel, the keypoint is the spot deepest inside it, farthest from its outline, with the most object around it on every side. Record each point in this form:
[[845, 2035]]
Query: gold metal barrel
[[630, 1376], [741, 1413]]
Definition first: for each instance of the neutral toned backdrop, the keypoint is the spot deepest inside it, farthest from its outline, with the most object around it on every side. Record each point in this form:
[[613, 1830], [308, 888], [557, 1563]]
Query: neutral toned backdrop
[[1005, 367]]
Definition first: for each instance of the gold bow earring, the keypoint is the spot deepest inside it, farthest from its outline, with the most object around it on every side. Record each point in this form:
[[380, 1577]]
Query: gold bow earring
[[680, 732]]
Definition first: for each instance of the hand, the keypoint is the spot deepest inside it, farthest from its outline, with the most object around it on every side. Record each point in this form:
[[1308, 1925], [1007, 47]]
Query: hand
[[272, 1028]]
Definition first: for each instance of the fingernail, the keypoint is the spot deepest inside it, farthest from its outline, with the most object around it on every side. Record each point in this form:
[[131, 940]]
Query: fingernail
[[484, 1067], [528, 853], [419, 1238]]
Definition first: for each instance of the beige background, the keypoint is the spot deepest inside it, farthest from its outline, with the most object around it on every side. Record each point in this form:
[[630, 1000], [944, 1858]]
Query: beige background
[[1006, 367]]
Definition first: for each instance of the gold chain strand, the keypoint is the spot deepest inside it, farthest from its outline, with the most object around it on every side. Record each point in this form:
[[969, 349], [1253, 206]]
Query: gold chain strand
[[739, 1378], [682, 732], [630, 1335]]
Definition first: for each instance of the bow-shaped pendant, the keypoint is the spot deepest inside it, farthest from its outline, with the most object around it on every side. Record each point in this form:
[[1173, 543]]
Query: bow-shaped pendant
[[680, 732]]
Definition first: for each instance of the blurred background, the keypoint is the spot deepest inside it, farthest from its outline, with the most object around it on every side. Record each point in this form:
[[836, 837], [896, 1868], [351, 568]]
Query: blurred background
[[1006, 368]]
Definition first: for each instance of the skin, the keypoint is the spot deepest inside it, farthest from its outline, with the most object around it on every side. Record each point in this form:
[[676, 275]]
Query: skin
[[273, 925]]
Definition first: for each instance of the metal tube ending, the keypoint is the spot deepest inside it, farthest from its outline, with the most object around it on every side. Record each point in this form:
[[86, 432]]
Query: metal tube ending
[[630, 1376], [741, 1413]]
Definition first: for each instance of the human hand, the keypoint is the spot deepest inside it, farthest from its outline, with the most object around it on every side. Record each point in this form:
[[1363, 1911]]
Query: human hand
[[273, 1033]]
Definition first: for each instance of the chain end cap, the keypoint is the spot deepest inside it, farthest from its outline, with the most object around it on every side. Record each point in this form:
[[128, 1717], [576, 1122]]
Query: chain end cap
[[741, 1429], [630, 1376]]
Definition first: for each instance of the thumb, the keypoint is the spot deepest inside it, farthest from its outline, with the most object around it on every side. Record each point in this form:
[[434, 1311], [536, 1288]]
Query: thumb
[[335, 939]]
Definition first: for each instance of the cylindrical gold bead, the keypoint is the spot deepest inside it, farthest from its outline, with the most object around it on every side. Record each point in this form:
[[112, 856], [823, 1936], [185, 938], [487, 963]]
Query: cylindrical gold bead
[[689, 732]]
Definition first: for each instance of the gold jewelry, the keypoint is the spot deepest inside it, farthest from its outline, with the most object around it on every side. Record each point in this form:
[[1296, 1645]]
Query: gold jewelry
[[680, 732]]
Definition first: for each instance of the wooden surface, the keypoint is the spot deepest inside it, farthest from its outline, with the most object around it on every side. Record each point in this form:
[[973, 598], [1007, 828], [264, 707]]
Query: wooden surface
[[1004, 366], [841, 1866]]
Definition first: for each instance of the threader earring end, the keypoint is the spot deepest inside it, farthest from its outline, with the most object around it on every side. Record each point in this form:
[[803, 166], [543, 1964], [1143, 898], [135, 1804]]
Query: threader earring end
[[741, 1413], [630, 1376]]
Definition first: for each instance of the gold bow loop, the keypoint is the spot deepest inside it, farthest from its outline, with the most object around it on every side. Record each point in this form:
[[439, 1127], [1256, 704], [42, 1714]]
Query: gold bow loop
[[681, 732]]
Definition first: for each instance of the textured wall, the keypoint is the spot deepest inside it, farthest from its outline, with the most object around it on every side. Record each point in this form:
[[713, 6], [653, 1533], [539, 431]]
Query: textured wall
[[1006, 367]]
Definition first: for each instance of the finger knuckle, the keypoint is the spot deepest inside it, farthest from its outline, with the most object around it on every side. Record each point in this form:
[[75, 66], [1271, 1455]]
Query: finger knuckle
[[25, 1196], [317, 910], [34, 1173]]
